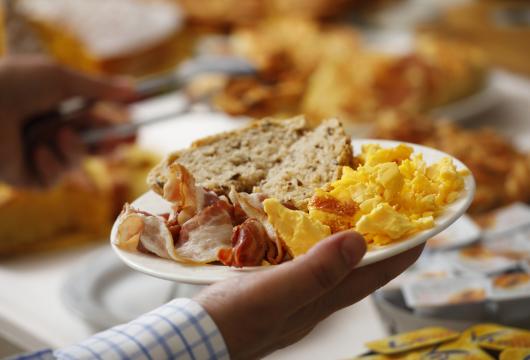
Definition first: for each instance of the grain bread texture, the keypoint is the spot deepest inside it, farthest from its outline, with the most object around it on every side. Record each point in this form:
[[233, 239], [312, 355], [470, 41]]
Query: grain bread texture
[[313, 161], [284, 159], [239, 158]]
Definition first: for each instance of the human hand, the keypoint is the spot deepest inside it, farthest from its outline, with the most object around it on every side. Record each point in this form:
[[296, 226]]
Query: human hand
[[33, 85], [261, 312]]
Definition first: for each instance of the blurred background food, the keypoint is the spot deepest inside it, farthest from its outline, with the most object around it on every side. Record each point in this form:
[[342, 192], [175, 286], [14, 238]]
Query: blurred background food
[[313, 57], [132, 37], [424, 71], [320, 77], [81, 208], [219, 13], [501, 171], [500, 28]]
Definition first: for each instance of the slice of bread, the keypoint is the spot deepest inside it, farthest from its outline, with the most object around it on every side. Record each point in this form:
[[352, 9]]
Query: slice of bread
[[313, 161], [284, 159]]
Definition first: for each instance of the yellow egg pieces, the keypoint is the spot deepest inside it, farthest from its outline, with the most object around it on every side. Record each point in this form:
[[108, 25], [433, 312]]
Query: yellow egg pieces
[[390, 195], [395, 191], [295, 227]]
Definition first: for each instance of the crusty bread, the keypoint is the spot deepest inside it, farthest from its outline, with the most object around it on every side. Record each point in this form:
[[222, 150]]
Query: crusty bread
[[284, 159]]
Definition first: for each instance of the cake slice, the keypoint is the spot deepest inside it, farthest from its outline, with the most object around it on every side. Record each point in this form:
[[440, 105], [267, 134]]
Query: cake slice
[[130, 37], [78, 209]]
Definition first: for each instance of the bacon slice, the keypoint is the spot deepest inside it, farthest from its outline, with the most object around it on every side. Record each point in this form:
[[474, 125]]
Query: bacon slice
[[202, 236], [144, 231], [187, 198], [252, 206], [157, 238], [338, 215], [200, 227], [130, 227], [249, 245]]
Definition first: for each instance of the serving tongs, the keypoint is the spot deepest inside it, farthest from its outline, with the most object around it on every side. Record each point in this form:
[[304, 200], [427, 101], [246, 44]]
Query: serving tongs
[[43, 127]]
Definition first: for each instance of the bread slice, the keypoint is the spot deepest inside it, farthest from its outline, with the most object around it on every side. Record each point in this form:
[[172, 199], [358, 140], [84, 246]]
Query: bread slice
[[239, 158], [313, 161], [284, 159]]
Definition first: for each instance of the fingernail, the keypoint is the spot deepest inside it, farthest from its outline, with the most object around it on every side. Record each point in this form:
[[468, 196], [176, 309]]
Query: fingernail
[[351, 248]]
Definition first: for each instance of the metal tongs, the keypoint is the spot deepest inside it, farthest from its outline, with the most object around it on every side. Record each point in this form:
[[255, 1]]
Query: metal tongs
[[43, 126]]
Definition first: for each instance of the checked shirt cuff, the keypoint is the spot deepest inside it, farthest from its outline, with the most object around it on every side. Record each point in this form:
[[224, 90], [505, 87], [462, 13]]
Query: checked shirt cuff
[[180, 329]]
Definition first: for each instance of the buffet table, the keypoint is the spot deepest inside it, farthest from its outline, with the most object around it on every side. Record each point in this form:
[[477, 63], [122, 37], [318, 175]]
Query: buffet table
[[33, 314]]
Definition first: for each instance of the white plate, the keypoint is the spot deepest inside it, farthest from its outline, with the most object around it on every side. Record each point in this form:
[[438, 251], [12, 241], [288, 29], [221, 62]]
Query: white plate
[[469, 106], [207, 274], [463, 232]]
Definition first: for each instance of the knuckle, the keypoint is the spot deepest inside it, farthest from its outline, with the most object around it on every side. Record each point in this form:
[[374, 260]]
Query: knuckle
[[46, 66], [324, 276], [384, 278]]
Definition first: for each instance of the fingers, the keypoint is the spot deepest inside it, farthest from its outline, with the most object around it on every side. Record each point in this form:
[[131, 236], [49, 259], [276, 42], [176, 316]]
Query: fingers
[[365, 280], [294, 284], [52, 83], [235, 304], [356, 286], [70, 146], [51, 163], [48, 167], [93, 87]]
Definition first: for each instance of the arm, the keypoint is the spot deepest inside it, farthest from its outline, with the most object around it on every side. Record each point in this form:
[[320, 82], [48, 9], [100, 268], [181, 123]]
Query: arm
[[180, 329]]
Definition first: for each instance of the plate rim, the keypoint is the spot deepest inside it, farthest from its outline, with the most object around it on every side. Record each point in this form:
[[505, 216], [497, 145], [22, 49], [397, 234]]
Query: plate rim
[[462, 109], [76, 294], [371, 257]]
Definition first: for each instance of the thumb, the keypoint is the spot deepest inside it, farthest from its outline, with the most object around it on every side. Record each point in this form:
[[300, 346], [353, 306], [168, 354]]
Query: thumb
[[308, 277]]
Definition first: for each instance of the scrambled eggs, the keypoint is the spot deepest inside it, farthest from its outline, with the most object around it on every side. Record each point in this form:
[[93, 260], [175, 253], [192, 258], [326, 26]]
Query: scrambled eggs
[[295, 227], [392, 194]]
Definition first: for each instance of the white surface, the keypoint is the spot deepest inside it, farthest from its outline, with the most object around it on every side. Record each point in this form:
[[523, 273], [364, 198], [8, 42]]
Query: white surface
[[472, 105], [33, 316], [208, 274]]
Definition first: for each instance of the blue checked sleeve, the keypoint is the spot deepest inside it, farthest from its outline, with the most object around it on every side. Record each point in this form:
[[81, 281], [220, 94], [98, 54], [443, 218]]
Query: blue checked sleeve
[[181, 329]]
